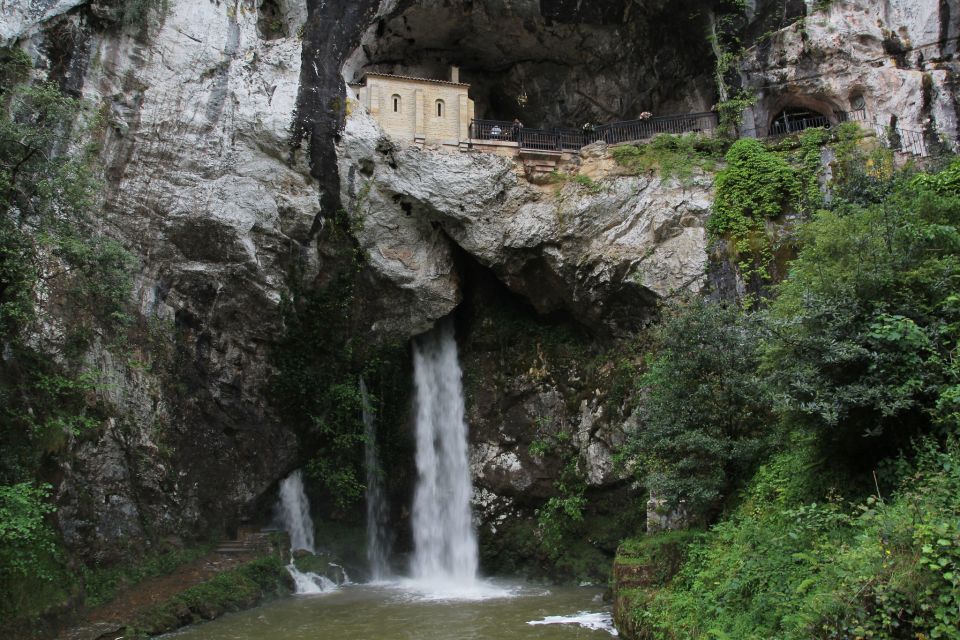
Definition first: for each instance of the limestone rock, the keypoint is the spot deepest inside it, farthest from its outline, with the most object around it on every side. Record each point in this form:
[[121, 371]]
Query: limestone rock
[[896, 59], [19, 16], [604, 254], [201, 188]]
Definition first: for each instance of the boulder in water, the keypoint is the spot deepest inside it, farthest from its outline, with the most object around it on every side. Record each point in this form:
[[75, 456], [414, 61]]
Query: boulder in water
[[321, 564]]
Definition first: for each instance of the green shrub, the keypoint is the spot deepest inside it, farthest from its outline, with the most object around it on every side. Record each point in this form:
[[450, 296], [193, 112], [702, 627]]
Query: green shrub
[[755, 186], [863, 329], [588, 183], [944, 183], [102, 585], [227, 591], [57, 270], [798, 569], [319, 361], [29, 557], [558, 517]]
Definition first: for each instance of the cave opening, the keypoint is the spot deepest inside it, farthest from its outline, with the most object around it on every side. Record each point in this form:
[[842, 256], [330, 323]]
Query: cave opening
[[271, 20], [797, 119], [556, 63]]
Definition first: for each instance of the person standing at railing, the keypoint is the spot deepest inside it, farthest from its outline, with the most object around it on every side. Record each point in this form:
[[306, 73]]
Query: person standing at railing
[[516, 129]]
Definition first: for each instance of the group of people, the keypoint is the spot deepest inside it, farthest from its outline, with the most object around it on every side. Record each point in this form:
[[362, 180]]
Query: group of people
[[515, 129]]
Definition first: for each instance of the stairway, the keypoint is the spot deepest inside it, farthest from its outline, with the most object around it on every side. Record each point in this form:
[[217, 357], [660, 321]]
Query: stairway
[[539, 166], [250, 541]]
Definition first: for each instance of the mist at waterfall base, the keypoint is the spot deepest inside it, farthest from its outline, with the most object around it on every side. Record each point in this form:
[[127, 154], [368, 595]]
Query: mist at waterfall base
[[443, 596]]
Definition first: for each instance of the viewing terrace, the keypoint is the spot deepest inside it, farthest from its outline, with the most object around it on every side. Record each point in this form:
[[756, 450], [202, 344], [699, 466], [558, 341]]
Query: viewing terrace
[[571, 140]]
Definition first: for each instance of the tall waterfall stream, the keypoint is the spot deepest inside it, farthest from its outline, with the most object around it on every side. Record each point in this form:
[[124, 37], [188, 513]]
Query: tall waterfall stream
[[443, 598], [445, 553]]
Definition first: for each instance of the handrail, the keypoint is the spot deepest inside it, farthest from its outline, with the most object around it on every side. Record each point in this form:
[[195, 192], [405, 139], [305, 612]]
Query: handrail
[[559, 140], [575, 139], [793, 124], [900, 139]]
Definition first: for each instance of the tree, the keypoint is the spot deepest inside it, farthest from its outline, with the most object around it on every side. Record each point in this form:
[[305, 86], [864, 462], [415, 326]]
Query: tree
[[704, 409], [864, 331]]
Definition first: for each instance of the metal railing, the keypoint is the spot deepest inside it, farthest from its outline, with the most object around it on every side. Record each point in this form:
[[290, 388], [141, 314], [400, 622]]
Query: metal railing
[[576, 139], [900, 139], [497, 130], [559, 140], [795, 124], [786, 126], [895, 138], [632, 130], [857, 115]]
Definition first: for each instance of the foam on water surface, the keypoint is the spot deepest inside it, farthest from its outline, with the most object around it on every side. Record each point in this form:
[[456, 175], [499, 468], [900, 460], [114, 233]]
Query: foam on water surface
[[585, 619]]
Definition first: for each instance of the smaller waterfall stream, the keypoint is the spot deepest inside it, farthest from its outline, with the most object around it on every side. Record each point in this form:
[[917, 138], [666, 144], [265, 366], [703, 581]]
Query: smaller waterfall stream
[[294, 512], [378, 513]]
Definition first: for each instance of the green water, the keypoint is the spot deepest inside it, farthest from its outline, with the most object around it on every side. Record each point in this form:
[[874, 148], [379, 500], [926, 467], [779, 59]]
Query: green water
[[363, 612]]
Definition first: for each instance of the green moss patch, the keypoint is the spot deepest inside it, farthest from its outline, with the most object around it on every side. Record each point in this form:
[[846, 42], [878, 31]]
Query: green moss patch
[[232, 590]]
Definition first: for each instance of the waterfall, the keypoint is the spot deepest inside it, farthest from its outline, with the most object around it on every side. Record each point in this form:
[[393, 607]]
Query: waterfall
[[293, 510], [378, 541], [445, 543]]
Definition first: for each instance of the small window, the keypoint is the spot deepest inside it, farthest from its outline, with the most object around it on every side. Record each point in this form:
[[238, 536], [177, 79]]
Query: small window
[[396, 103], [439, 108]]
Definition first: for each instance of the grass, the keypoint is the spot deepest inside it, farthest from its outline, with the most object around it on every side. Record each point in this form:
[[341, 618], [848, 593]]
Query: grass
[[103, 585], [231, 590]]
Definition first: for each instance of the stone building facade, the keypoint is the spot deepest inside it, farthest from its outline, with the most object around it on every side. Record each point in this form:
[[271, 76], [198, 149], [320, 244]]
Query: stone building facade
[[422, 110]]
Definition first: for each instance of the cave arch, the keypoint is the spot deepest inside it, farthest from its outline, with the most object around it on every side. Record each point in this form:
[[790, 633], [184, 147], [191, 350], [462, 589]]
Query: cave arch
[[796, 119], [795, 111]]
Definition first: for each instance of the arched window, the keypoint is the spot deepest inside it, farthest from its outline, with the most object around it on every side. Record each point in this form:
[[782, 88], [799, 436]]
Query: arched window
[[440, 108], [396, 103]]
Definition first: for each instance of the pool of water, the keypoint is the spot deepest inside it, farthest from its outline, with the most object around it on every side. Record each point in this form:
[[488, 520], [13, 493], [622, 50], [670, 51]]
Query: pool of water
[[404, 610]]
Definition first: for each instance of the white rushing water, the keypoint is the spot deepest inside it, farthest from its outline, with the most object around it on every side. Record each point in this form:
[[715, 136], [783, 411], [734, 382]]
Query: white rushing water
[[445, 553], [602, 621], [378, 539], [294, 512]]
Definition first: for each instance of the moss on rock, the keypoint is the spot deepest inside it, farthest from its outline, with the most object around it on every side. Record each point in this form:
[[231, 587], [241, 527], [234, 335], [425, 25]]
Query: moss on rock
[[642, 566], [232, 590]]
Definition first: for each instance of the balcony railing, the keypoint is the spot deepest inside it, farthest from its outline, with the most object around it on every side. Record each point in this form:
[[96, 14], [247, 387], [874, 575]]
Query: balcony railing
[[559, 140], [795, 124], [633, 130], [576, 139], [900, 139]]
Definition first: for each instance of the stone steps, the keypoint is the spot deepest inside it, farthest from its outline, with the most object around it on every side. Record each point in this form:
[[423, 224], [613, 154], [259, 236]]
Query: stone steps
[[248, 541]]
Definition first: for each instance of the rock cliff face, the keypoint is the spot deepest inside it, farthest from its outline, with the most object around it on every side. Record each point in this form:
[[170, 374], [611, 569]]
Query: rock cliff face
[[596, 254], [201, 188], [896, 59], [603, 250], [228, 156], [552, 62]]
